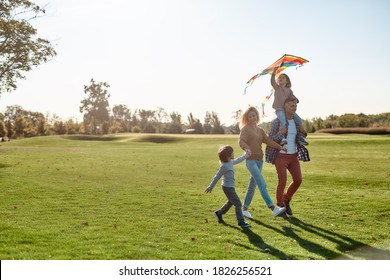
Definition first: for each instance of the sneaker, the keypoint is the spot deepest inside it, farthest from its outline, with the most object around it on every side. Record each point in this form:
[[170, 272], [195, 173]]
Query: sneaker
[[288, 208], [246, 214], [278, 210], [218, 216], [244, 224], [283, 142]]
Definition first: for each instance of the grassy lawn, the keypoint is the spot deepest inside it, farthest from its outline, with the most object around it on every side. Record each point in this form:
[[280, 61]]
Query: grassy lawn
[[136, 196]]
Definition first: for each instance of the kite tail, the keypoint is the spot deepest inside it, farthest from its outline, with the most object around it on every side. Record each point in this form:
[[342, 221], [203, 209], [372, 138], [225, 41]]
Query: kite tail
[[247, 87], [264, 101]]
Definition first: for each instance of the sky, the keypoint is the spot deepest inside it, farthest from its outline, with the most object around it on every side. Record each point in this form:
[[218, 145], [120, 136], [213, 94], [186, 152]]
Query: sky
[[194, 56]]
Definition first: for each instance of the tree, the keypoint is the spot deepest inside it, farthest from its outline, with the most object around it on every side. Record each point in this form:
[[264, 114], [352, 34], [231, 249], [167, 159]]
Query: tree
[[331, 121], [23, 123], [348, 120], [195, 124], [121, 118], [41, 125], [175, 126], [10, 129], [72, 127], [318, 124], [235, 128], [147, 118], [59, 127], [20, 49], [3, 129], [216, 125], [161, 116], [309, 126], [95, 108], [207, 123], [20, 126]]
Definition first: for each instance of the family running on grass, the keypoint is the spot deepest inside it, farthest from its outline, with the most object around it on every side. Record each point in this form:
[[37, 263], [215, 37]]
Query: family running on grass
[[284, 148]]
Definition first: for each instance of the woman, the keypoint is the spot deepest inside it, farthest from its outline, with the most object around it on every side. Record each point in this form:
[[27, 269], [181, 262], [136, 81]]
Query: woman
[[251, 139]]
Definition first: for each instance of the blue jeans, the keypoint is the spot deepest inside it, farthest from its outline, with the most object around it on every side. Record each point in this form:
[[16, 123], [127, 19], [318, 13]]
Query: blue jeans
[[255, 167], [233, 199]]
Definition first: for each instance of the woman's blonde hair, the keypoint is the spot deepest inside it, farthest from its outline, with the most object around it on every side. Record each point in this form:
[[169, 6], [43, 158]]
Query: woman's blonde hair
[[244, 118]]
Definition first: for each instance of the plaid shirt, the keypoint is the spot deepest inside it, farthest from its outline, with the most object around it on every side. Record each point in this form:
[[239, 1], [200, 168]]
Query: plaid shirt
[[274, 134]]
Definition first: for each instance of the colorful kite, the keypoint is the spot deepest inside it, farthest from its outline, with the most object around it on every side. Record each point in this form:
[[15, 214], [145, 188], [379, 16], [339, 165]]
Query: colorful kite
[[285, 61]]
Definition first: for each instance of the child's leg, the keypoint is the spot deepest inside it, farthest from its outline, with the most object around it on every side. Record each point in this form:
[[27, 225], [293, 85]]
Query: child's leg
[[298, 119], [226, 207], [233, 200], [303, 133], [282, 118]]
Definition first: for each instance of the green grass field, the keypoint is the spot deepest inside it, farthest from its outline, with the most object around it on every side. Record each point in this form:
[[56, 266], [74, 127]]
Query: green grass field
[[136, 196]]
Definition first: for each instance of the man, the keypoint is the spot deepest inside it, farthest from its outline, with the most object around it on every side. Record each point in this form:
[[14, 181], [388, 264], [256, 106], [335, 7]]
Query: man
[[289, 160]]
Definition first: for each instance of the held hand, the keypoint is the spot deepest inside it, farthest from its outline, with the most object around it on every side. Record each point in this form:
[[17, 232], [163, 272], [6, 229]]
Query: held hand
[[283, 148], [248, 151]]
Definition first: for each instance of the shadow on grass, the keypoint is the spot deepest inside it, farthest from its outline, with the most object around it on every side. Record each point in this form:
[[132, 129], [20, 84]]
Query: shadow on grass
[[259, 243], [2, 165], [344, 243], [147, 138]]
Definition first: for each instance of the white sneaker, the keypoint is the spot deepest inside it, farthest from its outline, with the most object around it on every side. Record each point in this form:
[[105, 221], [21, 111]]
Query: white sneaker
[[278, 210], [246, 214]]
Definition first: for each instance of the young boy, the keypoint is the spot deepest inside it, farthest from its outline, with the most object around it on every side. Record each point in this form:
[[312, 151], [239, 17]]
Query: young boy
[[226, 171]]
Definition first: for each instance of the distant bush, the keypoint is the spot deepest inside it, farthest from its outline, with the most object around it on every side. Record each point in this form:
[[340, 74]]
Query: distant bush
[[360, 130], [136, 129]]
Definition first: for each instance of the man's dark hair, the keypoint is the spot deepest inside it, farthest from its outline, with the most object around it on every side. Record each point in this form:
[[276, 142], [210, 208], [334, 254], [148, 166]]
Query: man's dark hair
[[291, 98]]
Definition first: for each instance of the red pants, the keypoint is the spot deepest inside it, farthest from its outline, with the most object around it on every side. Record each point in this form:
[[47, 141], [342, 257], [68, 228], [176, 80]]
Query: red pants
[[284, 162]]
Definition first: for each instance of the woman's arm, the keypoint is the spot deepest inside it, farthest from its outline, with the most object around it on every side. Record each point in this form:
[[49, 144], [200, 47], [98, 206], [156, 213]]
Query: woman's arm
[[273, 144], [242, 140]]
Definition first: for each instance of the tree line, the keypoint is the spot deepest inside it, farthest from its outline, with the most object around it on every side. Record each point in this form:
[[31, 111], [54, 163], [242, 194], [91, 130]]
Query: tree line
[[16, 122], [100, 119], [348, 121]]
